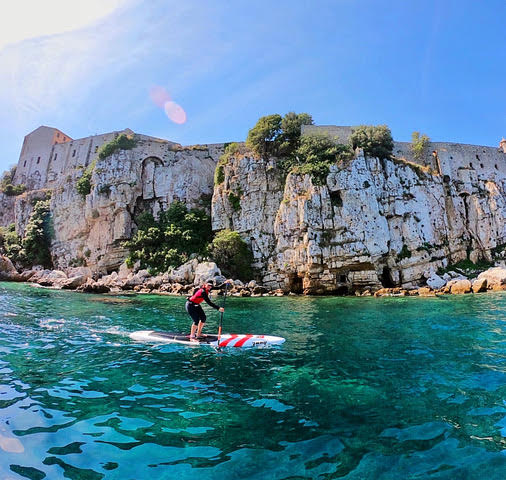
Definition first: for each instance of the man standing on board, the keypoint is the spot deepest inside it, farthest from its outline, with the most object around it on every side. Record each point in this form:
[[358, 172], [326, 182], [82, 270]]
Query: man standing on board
[[196, 312]]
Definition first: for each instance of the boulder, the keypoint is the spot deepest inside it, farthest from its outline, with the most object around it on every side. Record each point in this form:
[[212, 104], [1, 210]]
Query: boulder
[[479, 285], [435, 281], [185, 273], [124, 271], [154, 282], [79, 272], [74, 282], [93, 287], [49, 278], [8, 270], [27, 275], [456, 275], [142, 274], [206, 272], [426, 292], [258, 290], [495, 276], [460, 286]]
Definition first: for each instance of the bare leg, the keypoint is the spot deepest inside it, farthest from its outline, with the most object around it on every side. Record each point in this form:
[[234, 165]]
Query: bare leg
[[201, 326], [193, 329]]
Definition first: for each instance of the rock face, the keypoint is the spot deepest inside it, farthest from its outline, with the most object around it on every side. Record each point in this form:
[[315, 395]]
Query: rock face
[[6, 209], [375, 222], [91, 229]]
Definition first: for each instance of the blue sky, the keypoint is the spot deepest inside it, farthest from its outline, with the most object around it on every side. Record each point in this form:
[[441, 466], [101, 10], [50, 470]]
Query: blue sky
[[438, 67]]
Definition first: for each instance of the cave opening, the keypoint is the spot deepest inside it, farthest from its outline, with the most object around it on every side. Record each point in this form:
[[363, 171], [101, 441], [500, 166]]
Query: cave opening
[[335, 199], [386, 278], [295, 283]]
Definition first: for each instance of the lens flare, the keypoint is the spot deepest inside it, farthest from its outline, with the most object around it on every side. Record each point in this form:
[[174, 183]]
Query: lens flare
[[161, 98], [175, 112]]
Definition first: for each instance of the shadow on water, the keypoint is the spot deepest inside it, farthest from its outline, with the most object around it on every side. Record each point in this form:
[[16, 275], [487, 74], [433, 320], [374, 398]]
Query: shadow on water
[[363, 388]]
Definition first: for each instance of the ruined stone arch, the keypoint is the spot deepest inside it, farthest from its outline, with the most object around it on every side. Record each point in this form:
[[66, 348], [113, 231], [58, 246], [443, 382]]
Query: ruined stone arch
[[148, 176]]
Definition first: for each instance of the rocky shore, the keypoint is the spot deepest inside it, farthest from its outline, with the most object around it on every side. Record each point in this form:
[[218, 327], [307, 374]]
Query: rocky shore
[[183, 280]]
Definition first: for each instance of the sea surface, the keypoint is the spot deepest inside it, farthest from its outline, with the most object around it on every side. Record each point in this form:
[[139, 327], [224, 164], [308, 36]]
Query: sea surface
[[363, 388]]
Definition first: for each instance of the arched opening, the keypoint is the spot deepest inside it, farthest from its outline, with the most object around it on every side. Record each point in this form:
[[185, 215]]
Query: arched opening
[[148, 176]]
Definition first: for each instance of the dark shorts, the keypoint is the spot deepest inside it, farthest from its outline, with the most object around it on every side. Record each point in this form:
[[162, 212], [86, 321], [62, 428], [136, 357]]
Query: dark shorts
[[196, 312]]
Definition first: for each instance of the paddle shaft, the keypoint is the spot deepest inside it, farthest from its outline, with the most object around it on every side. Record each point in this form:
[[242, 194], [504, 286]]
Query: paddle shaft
[[221, 314]]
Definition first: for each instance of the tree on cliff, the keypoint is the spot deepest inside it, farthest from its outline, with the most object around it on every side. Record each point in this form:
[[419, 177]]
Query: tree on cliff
[[375, 140], [276, 135]]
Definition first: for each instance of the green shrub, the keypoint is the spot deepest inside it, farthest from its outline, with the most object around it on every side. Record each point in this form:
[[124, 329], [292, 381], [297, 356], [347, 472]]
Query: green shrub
[[122, 142], [37, 237], [235, 201], [219, 175], [83, 185], [230, 150], [232, 254], [11, 244], [419, 145], [467, 267], [276, 135], [6, 185], [170, 240], [375, 140], [315, 155], [404, 253]]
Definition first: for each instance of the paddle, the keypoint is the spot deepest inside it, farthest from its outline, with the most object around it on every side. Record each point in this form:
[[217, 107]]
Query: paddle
[[221, 314]]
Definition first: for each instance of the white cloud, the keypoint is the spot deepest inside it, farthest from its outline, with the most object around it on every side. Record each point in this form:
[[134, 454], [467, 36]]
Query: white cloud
[[26, 19]]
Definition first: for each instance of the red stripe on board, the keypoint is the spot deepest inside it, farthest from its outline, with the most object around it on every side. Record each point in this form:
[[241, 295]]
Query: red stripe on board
[[242, 341], [227, 341]]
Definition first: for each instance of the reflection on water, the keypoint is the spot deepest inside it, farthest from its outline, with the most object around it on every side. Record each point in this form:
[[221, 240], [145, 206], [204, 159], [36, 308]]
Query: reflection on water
[[363, 388]]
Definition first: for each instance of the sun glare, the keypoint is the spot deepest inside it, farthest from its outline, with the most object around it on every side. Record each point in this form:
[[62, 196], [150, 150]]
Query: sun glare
[[162, 99], [27, 19]]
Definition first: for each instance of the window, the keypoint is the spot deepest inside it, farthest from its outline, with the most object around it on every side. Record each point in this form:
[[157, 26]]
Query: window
[[38, 159], [55, 155], [24, 163], [73, 153], [58, 135]]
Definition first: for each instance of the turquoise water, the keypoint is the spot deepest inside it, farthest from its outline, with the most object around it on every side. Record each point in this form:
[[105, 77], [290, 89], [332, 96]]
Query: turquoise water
[[363, 388]]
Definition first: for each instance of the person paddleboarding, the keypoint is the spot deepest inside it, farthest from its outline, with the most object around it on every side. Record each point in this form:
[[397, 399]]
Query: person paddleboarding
[[196, 312]]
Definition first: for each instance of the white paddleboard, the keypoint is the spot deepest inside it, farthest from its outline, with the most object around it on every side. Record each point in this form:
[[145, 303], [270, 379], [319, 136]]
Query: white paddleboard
[[226, 340]]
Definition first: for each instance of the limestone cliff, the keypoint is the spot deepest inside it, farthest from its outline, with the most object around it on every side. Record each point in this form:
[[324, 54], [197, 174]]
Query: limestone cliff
[[375, 222], [6, 209], [91, 230]]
